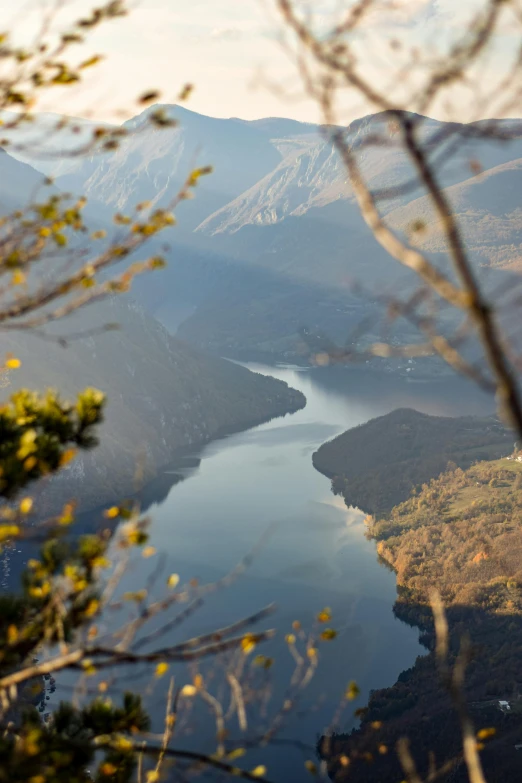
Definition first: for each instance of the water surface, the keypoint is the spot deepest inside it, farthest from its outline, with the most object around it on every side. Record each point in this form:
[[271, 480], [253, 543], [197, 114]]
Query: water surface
[[316, 554]]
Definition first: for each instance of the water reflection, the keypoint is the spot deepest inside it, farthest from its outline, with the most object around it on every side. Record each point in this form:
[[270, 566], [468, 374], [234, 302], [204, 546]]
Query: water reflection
[[315, 553]]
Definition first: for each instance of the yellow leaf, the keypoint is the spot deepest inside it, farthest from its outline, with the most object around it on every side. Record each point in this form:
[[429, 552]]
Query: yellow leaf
[[112, 512], [328, 634], [12, 634], [88, 667], [173, 580], [248, 643], [259, 771], [18, 278], [352, 691], [236, 753], [67, 516], [92, 607], [122, 743], [189, 691], [91, 61], [103, 687], [290, 638], [198, 681], [101, 562], [67, 456], [197, 173], [101, 234], [26, 505], [152, 776], [149, 551], [161, 669], [311, 767], [325, 615], [13, 363], [45, 231], [8, 531], [486, 733], [108, 768]]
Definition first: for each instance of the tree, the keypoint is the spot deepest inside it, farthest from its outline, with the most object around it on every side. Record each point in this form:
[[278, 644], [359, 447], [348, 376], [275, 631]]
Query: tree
[[337, 52], [51, 268], [336, 60]]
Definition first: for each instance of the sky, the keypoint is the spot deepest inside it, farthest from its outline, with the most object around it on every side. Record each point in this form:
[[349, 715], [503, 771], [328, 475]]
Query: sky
[[229, 49]]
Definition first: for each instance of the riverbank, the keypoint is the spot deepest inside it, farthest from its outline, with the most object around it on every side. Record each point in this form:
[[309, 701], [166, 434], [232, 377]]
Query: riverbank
[[226, 400], [462, 534], [262, 480], [376, 466]]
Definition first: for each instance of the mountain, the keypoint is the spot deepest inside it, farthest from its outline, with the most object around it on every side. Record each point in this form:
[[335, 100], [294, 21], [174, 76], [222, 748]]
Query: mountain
[[375, 466], [18, 183], [50, 143], [152, 163], [164, 397], [278, 203], [488, 210]]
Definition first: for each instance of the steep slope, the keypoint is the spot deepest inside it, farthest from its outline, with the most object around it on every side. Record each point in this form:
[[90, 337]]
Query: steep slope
[[462, 534], [279, 201], [163, 397], [311, 175], [375, 466], [151, 164], [19, 183], [488, 210], [48, 142]]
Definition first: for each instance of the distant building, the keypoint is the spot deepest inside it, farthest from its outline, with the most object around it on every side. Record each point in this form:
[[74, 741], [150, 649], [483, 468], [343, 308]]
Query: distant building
[[504, 706]]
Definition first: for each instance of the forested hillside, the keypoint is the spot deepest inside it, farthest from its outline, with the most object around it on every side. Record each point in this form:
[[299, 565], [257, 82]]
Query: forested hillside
[[163, 396], [462, 533], [375, 466]]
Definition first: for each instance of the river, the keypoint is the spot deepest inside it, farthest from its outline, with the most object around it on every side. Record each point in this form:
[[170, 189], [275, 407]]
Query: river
[[316, 554]]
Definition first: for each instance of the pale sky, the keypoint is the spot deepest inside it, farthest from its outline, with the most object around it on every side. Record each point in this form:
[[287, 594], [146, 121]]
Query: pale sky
[[226, 48]]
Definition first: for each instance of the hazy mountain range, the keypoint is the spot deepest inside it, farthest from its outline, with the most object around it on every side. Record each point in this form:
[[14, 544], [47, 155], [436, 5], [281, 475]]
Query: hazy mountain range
[[274, 240], [263, 257]]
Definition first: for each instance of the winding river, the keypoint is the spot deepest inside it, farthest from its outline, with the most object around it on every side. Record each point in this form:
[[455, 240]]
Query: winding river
[[261, 483]]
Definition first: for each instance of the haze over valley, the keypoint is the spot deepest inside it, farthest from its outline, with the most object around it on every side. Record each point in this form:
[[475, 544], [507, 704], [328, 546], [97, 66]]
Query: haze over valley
[[261, 401]]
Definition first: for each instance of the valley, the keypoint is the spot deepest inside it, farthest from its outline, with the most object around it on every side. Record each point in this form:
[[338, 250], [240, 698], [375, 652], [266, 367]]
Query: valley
[[272, 262], [261, 485]]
